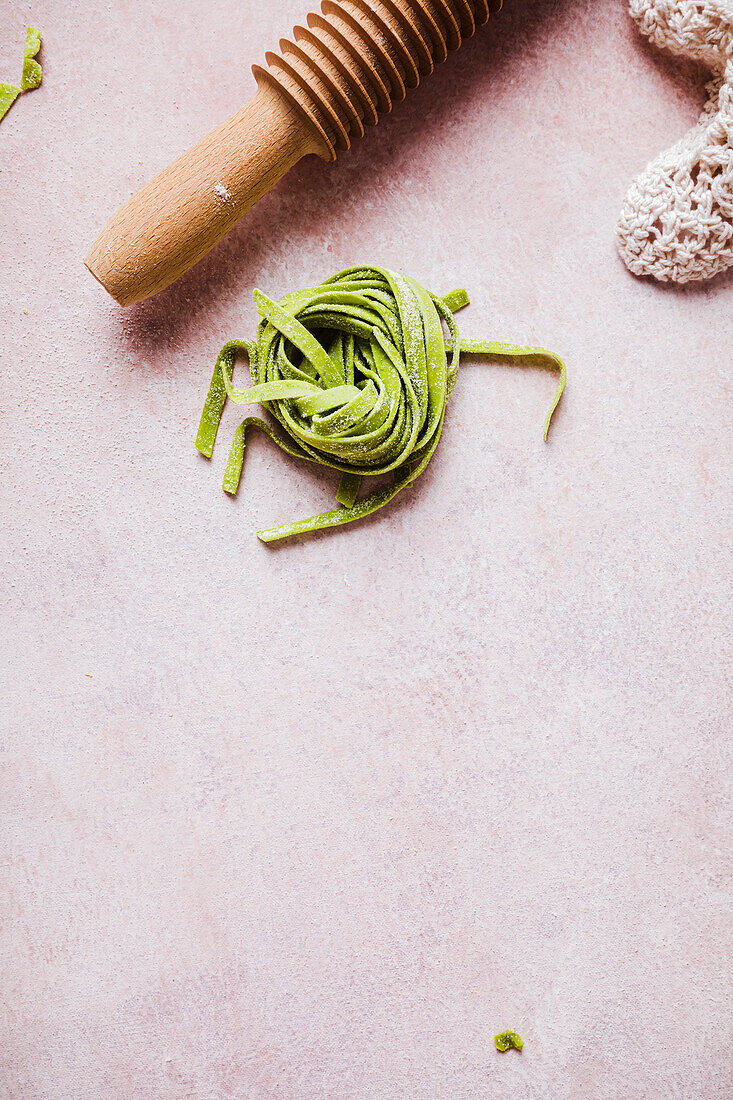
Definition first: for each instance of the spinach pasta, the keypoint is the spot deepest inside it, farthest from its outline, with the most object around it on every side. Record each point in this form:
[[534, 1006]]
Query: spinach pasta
[[357, 372]]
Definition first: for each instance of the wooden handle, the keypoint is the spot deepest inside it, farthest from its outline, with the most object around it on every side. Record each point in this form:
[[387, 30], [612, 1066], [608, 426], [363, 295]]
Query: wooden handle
[[175, 219], [339, 73]]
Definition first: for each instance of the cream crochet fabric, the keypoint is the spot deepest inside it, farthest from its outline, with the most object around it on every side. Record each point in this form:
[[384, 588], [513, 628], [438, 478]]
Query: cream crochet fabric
[[677, 220]]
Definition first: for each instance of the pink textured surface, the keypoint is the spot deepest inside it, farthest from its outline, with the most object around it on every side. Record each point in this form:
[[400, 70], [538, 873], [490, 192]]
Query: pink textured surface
[[316, 821]]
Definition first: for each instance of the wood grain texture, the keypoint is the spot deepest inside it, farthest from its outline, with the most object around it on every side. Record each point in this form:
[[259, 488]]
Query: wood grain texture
[[336, 75], [178, 216]]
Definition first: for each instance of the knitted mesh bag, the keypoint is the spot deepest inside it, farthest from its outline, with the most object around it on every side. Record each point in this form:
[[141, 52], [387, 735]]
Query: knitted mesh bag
[[677, 220]]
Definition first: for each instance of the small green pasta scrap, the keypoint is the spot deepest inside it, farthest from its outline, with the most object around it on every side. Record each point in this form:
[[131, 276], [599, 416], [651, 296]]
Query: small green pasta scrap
[[8, 95], [32, 74], [506, 1039]]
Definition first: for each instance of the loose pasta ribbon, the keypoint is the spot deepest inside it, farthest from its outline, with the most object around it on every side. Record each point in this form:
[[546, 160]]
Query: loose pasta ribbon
[[357, 372], [31, 76]]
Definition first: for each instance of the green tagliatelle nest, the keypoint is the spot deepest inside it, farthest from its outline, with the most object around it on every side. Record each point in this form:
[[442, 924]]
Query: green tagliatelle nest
[[358, 372]]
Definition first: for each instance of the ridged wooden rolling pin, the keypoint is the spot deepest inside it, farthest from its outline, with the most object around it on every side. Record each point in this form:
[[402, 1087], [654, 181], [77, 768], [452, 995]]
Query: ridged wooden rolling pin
[[339, 72]]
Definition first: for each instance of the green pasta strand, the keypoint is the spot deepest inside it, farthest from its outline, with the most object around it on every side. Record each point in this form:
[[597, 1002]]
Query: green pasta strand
[[8, 95], [357, 372], [31, 76]]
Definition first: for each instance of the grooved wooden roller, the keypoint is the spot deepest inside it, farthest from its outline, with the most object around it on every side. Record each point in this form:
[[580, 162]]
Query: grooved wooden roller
[[335, 76]]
